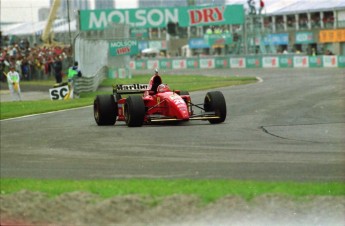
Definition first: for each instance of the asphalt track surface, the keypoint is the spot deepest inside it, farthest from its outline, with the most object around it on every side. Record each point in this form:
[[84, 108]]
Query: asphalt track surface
[[289, 127]]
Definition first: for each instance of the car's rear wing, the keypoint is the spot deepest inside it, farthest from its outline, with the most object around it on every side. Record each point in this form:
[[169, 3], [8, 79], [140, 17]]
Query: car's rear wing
[[130, 88]]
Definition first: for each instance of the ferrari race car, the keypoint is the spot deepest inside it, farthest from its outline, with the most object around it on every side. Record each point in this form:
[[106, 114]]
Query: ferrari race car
[[156, 104]]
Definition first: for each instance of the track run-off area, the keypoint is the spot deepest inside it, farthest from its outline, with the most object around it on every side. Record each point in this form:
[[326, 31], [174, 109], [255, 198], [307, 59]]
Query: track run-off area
[[289, 126]]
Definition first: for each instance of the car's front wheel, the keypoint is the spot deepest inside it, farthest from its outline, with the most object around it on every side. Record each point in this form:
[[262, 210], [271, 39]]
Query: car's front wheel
[[215, 102], [105, 110]]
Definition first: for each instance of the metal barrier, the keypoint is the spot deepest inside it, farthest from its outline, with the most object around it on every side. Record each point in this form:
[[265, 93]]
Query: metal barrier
[[91, 84]]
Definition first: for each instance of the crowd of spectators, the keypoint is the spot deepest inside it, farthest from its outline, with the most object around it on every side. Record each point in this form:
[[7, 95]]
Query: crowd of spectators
[[34, 62]]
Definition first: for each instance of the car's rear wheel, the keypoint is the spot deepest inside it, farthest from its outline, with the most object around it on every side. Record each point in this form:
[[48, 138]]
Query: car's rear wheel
[[134, 111], [105, 110], [215, 102]]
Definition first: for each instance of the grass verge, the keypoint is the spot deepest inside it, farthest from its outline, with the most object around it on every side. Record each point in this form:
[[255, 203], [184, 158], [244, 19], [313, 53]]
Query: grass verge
[[207, 190]]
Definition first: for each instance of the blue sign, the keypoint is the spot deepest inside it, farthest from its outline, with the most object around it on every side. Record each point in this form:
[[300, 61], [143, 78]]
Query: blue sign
[[198, 43], [143, 45], [277, 39]]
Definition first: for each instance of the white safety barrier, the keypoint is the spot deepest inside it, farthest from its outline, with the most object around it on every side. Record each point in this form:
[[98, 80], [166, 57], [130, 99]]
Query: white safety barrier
[[91, 84]]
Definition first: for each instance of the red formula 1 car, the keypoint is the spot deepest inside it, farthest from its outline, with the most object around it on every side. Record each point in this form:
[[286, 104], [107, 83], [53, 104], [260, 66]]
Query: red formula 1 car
[[156, 104]]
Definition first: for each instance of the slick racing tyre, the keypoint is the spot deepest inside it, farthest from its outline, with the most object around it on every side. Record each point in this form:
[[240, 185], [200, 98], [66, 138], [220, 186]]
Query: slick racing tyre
[[105, 110], [134, 111], [215, 101]]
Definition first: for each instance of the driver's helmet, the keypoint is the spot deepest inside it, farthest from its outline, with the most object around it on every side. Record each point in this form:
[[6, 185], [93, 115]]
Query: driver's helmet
[[163, 88]]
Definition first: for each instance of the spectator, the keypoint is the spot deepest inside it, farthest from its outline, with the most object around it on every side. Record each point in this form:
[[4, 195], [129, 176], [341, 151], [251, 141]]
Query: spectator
[[328, 52], [2, 71], [57, 65], [251, 4], [262, 5], [31, 62]]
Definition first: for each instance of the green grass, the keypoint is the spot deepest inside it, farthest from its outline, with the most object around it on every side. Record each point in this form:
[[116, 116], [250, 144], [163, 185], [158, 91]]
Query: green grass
[[181, 82], [207, 190]]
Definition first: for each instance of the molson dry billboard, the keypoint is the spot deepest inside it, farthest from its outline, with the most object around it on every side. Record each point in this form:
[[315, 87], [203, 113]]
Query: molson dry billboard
[[159, 17]]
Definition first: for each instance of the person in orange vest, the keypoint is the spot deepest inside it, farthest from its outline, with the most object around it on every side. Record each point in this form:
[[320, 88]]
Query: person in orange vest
[[13, 79]]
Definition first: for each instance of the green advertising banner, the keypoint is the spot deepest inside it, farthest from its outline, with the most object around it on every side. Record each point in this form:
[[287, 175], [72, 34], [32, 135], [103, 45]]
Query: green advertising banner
[[159, 17], [304, 37], [218, 39], [341, 61], [137, 32], [192, 63], [315, 61], [208, 62], [270, 62], [285, 61], [165, 64], [253, 62], [222, 62], [282, 61], [123, 47], [152, 63], [119, 73], [140, 64]]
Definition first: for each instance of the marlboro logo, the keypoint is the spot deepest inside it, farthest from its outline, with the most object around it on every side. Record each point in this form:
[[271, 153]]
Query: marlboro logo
[[206, 15]]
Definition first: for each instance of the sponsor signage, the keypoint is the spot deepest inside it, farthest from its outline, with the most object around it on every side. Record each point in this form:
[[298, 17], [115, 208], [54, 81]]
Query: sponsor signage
[[315, 61], [123, 47], [132, 87], [253, 62], [58, 93], [222, 62], [159, 17], [143, 45], [179, 64], [119, 73], [218, 39], [281, 61], [286, 61], [238, 62], [304, 37], [152, 64], [270, 62], [277, 39], [207, 63], [301, 61], [211, 15], [132, 65], [140, 64], [341, 61], [137, 32], [165, 64], [332, 35], [198, 43], [192, 63], [161, 44], [330, 61]]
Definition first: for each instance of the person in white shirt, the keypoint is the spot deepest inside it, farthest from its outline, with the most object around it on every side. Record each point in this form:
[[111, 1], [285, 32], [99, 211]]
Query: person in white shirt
[[13, 79]]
